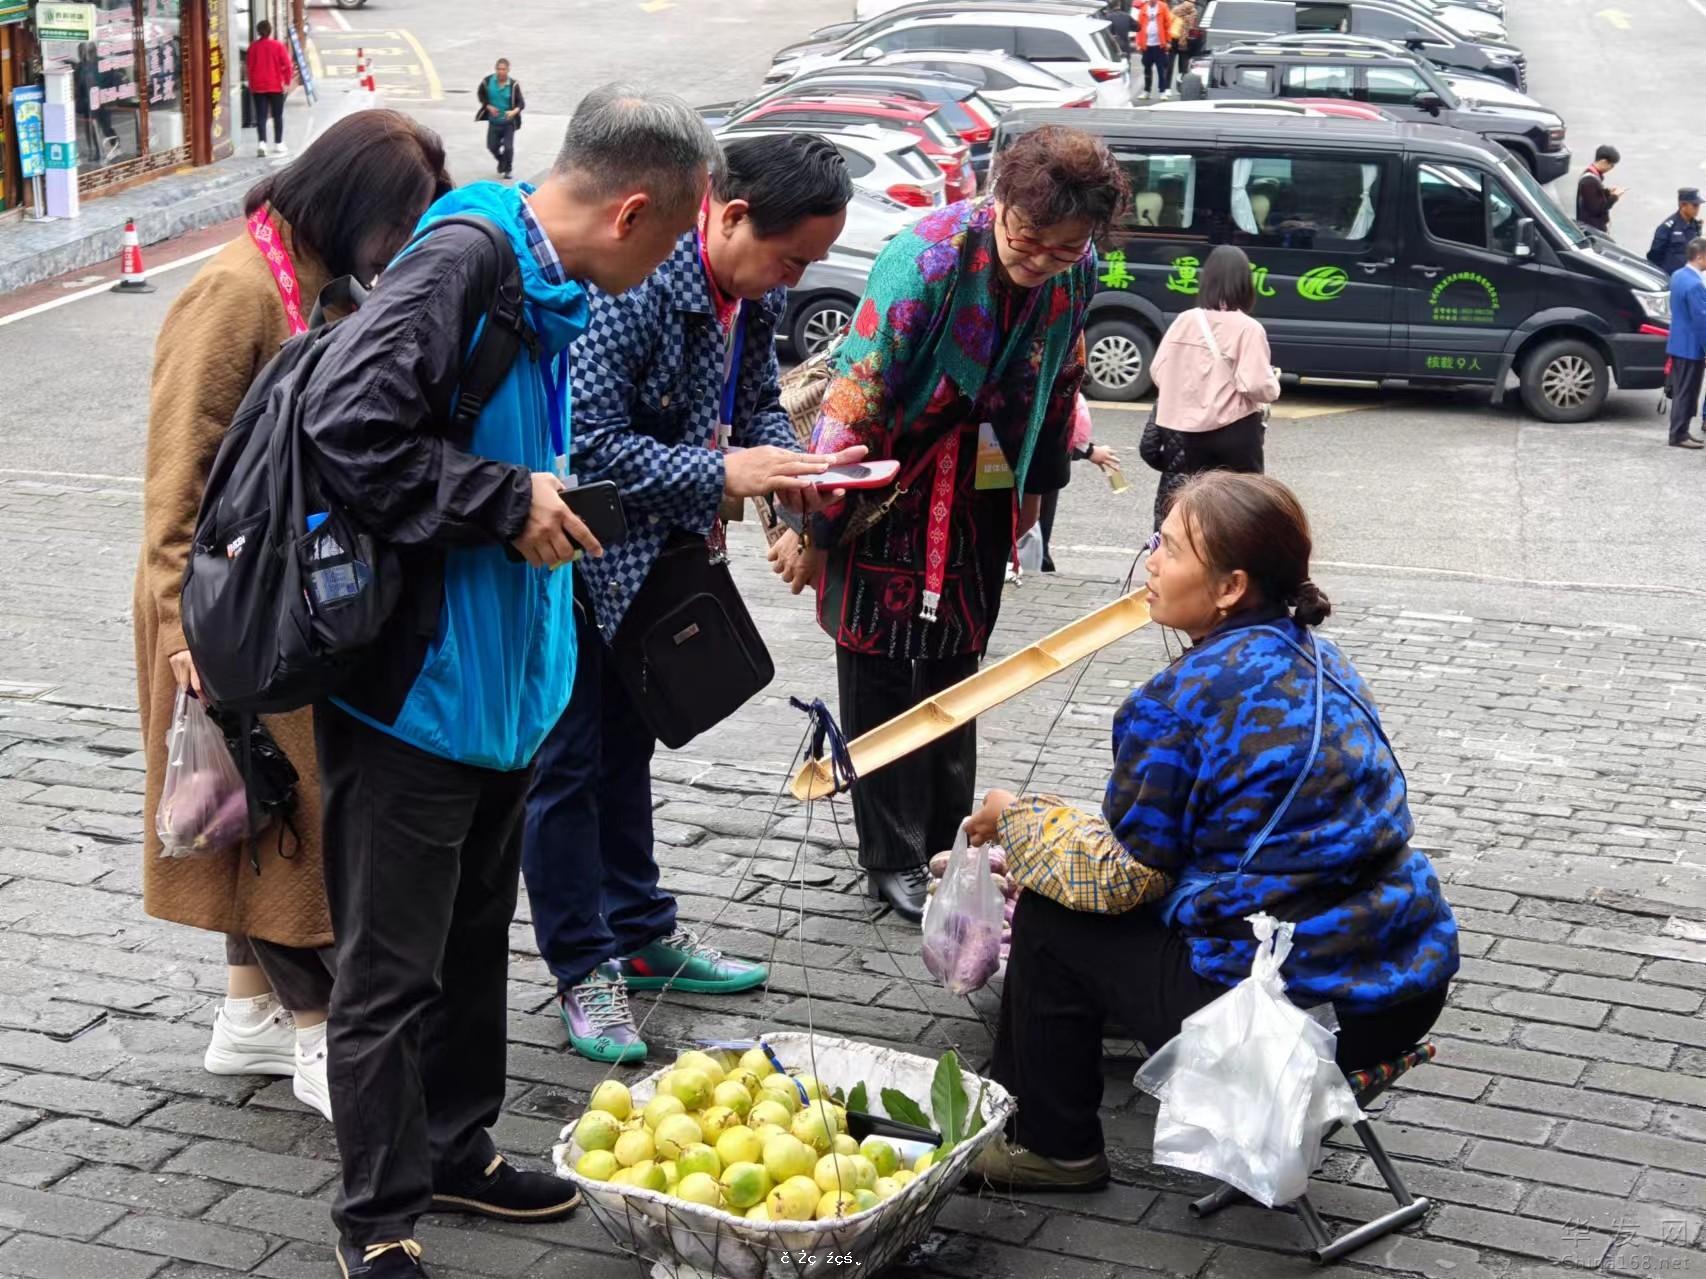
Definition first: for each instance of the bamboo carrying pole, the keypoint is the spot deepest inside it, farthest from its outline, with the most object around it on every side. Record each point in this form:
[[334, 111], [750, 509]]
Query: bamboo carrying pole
[[965, 701]]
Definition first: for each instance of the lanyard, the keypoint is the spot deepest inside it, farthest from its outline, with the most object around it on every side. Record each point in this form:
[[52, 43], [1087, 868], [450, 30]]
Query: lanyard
[[555, 371], [717, 539], [271, 244]]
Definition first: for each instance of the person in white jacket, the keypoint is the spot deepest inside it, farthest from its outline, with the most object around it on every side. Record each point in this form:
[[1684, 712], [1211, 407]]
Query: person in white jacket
[[1213, 373]]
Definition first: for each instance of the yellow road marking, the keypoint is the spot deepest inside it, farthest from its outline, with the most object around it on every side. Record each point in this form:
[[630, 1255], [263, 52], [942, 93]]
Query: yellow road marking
[[1616, 17], [434, 86], [657, 6]]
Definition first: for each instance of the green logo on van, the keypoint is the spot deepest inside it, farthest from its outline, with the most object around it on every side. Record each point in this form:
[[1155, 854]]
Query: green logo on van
[[1323, 284], [1477, 302], [1187, 272]]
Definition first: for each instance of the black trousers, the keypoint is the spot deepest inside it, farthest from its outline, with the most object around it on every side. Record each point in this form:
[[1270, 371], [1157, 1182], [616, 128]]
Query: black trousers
[[422, 860], [1049, 507], [1070, 973], [500, 141], [300, 976], [1158, 62], [914, 807], [1685, 380], [269, 106], [1237, 446]]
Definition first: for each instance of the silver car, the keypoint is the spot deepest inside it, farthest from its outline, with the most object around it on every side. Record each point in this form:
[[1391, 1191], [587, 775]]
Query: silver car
[[883, 162], [821, 305], [1006, 82]]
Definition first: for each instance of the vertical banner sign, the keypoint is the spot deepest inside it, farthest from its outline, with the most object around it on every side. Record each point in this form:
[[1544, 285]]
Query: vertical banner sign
[[219, 110], [26, 113], [302, 72]]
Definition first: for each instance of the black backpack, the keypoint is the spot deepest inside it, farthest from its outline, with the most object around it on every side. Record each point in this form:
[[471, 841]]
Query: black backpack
[[276, 612]]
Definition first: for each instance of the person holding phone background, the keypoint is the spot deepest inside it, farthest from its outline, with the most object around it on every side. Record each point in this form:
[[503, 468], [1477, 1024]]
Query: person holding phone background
[[677, 402]]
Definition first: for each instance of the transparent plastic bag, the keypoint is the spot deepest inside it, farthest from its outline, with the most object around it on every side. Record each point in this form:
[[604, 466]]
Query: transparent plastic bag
[[204, 808], [1030, 549], [962, 932], [1249, 1088]]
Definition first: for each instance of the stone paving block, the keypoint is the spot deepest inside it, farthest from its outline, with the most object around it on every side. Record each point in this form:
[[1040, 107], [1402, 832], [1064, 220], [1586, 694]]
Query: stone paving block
[[1403, 1141], [1641, 1257], [1617, 1217], [1524, 1094], [1462, 1023], [1543, 1239], [34, 1257], [1637, 994], [83, 797], [92, 1099], [190, 1240], [1481, 1119], [267, 1212], [1597, 1045], [1433, 1258], [1009, 1222], [60, 869], [1633, 943], [1449, 1185], [14, 1119], [1492, 972], [1681, 1121], [240, 1165], [51, 1213], [269, 1130], [38, 1052], [1242, 1223], [102, 1143], [1517, 1062], [21, 1166], [1676, 972], [1658, 1025], [1674, 1188], [146, 1191], [1646, 1149], [1548, 1166], [1088, 1245], [478, 1251], [1531, 1006], [1118, 1202], [1567, 958]]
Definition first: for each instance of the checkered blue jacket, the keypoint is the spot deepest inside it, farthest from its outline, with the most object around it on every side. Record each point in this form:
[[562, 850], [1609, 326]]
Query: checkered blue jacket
[[648, 389]]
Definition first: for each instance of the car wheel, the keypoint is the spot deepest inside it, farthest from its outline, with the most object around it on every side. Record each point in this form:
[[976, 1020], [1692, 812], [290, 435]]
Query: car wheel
[[1565, 380], [351, 4], [1191, 88], [819, 323], [1119, 354]]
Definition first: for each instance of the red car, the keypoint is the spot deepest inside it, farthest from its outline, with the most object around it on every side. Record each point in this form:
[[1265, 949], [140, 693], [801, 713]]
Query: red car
[[919, 119], [1343, 108]]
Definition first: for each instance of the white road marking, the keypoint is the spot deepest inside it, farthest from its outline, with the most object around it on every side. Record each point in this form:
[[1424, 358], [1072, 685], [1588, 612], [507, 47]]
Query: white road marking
[[72, 475], [107, 287]]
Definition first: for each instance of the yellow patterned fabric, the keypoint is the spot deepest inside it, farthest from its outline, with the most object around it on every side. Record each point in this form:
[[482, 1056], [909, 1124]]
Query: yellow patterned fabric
[[1072, 857]]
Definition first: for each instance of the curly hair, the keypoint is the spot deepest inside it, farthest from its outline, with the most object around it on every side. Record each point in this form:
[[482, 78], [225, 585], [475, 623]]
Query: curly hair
[[1056, 174]]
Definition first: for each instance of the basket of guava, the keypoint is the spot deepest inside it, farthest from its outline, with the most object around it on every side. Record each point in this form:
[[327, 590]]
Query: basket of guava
[[721, 1165]]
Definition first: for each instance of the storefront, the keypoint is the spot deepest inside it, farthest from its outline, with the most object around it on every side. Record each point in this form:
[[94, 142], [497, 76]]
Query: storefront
[[152, 83]]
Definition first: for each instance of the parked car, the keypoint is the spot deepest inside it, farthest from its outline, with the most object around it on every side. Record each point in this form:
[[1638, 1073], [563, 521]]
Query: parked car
[[958, 103], [821, 305], [1077, 47], [865, 9], [937, 140], [1470, 86], [1227, 22], [1006, 82], [884, 162], [1379, 251], [1406, 87]]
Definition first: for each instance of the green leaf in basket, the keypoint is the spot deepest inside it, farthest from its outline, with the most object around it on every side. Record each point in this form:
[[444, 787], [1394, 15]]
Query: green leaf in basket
[[948, 1100], [902, 1108], [976, 1120], [859, 1099]]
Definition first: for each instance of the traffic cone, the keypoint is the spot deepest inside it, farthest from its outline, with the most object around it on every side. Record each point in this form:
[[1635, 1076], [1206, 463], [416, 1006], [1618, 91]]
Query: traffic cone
[[364, 72], [134, 276]]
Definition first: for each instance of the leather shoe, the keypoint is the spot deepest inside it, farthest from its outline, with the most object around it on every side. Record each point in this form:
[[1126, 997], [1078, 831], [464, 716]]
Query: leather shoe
[[903, 890], [1689, 443], [509, 1194]]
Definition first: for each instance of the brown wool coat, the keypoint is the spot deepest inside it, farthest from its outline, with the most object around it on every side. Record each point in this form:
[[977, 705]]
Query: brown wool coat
[[218, 335]]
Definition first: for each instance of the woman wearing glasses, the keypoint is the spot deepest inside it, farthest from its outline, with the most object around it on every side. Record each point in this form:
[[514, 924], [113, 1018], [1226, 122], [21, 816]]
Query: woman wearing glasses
[[962, 365]]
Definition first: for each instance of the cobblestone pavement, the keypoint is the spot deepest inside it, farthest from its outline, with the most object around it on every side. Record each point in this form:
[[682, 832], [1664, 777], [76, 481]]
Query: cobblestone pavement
[[1557, 774]]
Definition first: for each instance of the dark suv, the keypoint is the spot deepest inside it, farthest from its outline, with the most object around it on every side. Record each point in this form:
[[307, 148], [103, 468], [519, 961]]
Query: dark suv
[[1229, 22], [1405, 87]]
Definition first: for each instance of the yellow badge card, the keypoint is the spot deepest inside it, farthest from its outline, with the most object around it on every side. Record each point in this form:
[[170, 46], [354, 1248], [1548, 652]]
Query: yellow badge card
[[992, 469]]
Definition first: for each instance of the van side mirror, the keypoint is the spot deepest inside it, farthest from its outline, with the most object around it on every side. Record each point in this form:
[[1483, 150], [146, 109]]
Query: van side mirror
[[1430, 102], [869, 53], [1415, 40], [1525, 237]]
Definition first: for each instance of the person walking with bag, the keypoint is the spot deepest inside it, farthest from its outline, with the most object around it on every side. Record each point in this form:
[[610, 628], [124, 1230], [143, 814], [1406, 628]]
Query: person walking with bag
[[270, 76], [1214, 378], [676, 402], [342, 208], [1186, 35], [501, 105], [962, 365]]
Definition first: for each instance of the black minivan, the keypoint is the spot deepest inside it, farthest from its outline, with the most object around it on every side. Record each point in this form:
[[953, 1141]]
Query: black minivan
[[1380, 251]]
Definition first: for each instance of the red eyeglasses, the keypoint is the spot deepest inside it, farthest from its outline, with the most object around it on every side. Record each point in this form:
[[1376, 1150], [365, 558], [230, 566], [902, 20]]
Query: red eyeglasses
[[1067, 254]]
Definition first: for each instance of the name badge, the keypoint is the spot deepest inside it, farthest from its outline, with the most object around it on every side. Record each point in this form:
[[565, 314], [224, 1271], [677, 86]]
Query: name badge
[[992, 469]]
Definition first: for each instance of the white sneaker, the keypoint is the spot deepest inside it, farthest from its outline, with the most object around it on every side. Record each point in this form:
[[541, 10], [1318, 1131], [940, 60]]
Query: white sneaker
[[310, 1083], [262, 151], [1144, 96], [278, 148], [266, 1049]]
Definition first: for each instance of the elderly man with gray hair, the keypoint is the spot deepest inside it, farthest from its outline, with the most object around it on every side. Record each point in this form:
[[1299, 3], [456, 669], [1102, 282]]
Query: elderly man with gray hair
[[424, 754]]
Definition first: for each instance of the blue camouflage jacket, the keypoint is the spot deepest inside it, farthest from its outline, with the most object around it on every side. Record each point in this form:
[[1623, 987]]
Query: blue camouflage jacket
[[1205, 753], [648, 389]]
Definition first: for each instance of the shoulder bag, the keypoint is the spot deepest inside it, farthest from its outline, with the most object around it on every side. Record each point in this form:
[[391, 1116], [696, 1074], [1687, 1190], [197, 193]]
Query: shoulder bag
[[1208, 336]]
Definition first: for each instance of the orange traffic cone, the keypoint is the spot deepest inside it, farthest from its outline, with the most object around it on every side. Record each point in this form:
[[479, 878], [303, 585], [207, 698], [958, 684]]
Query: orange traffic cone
[[134, 274], [364, 72]]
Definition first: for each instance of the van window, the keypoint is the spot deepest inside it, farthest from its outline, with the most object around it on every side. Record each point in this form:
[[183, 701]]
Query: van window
[[1163, 192], [1466, 206], [1257, 80], [1394, 86], [1243, 15], [1324, 17], [998, 39], [1319, 82], [1306, 204], [1039, 44]]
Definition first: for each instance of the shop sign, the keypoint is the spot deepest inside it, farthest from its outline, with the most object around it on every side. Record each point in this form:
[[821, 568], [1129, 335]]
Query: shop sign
[[62, 155], [65, 22], [26, 111], [13, 11], [218, 111]]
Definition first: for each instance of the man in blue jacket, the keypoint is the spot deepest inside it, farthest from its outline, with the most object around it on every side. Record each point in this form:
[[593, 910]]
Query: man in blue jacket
[[1687, 344], [666, 376], [424, 759]]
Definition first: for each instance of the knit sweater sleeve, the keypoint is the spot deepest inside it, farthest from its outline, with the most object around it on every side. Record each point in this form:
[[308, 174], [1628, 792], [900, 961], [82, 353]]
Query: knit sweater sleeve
[[218, 335]]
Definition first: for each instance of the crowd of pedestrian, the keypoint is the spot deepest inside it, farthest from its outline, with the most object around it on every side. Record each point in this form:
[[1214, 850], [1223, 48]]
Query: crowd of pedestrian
[[492, 730]]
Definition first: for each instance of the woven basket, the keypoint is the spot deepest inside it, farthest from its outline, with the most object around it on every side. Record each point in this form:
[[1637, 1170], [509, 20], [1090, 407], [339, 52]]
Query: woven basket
[[670, 1239]]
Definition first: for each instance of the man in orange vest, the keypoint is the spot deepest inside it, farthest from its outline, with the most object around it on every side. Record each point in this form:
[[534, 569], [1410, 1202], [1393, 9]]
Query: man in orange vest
[[1153, 40]]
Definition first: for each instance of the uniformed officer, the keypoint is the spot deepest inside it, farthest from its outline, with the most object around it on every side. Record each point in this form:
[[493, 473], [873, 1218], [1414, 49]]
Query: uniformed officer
[[1669, 251]]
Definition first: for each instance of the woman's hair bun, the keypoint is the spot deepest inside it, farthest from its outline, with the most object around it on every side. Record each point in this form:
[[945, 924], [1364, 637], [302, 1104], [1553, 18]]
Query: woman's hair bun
[[1311, 606]]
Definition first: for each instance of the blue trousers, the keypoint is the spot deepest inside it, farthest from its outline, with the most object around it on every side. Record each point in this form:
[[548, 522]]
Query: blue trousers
[[586, 854]]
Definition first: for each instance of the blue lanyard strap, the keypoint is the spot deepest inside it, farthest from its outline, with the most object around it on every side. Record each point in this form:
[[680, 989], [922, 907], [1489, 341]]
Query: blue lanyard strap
[[555, 370], [731, 367]]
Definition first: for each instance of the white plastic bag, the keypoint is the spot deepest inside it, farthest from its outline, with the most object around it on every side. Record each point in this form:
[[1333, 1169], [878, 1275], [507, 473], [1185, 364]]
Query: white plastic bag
[[962, 932], [1030, 549], [204, 808], [1249, 1088]]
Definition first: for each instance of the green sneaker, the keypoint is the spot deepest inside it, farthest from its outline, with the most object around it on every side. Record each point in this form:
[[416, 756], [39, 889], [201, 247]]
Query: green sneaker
[[682, 962], [1006, 1165], [595, 1013]]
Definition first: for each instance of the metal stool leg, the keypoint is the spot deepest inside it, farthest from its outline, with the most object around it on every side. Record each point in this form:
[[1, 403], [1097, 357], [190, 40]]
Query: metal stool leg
[[1409, 1207], [1211, 1203]]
